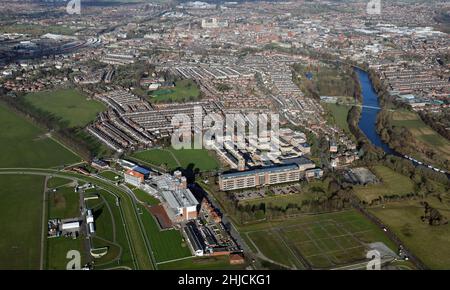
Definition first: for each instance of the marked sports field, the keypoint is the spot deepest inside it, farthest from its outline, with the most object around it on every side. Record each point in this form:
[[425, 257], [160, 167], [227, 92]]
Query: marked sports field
[[319, 241]]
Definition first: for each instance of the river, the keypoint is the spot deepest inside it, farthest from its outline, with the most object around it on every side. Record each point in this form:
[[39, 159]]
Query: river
[[368, 121]]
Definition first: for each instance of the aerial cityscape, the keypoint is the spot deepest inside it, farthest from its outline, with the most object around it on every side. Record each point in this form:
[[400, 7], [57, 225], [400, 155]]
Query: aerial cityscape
[[220, 135]]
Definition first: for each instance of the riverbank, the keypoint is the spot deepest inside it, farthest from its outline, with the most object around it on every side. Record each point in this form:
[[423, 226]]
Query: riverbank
[[375, 126]]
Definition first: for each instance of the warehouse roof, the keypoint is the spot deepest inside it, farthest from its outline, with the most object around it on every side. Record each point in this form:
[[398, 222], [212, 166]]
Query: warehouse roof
[[179, 198]]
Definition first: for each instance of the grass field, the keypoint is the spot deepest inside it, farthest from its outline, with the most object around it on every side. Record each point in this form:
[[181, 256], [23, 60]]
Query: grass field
[[392, 183], [25, 145], [184, 90], [57, 249], [340, 113], [124, 214], [110, 232], [172, 159], [110, 175], [68, 104], [54, 182], [204, 263], [324, 240], [423, 133], [21, 215], [166, 245], [36, 30], [145, 197], [64, 203], [429, 243]]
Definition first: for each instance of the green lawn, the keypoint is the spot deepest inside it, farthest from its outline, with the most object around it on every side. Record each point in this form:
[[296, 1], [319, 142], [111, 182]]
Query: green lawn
[[64, 203], [107, 260], [124, 214], [110, 232], [68, 104], [184, 90], [392, 183], [324, 240], [54, 182], [340, 113], [203, 263], [167, 244], [25, 145], [145, 197], [21, 215], [110, 175], [172, 159], [37, 30], [57, 249], [429, 243], [422, 132]]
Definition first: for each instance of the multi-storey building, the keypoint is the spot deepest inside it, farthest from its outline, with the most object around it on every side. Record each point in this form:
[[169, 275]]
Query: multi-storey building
[[260, 177]]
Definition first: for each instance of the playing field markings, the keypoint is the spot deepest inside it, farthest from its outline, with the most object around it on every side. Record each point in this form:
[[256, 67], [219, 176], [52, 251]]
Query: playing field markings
[[315, 243], [332, 237], [299, 260]]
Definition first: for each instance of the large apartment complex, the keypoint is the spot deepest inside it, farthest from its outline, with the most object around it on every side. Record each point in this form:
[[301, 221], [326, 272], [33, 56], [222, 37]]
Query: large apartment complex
[[261, 177]]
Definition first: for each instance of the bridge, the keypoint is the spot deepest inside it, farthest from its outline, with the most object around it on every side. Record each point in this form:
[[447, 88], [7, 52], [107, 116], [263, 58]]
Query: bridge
[[364, 106]]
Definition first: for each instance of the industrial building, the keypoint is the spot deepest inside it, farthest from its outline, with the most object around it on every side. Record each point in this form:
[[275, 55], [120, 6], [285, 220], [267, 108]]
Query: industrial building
[[180, 204]]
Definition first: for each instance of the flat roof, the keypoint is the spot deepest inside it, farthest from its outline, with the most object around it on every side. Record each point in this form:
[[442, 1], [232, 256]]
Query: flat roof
[[270, 169], [179, 198], [142, 170], [134, 173]]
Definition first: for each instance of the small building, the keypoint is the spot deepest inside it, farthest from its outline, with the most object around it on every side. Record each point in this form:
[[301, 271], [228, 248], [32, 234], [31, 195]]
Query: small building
[[70, 226], [99, 164], [333, 147], [133, 177], [314, 173], [143, 171], [195, 239]]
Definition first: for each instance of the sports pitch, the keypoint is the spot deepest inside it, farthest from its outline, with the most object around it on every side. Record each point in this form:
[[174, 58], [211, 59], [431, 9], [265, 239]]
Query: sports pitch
[[320, 241]]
